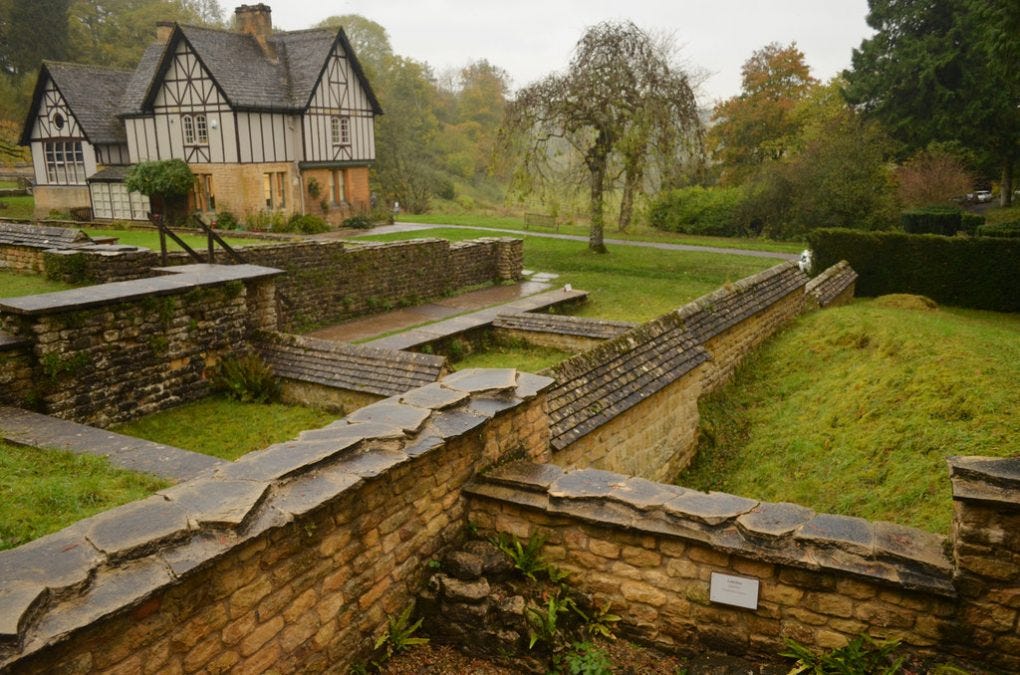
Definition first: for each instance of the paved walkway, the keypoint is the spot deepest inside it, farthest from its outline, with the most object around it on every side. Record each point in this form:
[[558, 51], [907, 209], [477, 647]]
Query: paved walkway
[[662, 246], [449, 316], [41, 431]]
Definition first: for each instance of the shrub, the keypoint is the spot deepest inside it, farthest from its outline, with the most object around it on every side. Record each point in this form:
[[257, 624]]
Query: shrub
[[976, 272], [358, 222], [863, 654], [698, 210], [1009, 230], [246, 378], [266, 221], [307, 224], [225, 220], [931, 220]]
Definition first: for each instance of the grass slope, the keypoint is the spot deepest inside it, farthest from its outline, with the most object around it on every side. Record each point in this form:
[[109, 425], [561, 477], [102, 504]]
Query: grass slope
[[42, 491], [16, 284], [516, 354], [635, 233], [226, 428], [628, 284], [854, 410], [17, 207]]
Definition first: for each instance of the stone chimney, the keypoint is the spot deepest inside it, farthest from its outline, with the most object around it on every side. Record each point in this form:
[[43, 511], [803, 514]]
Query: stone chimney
[[256, 20], [163, 31]]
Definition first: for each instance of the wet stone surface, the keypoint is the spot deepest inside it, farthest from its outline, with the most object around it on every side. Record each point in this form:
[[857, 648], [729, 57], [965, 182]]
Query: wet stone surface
[[713, 508], [527, 474], [137, 527], [474, 380], [59, 560], [586, 483], [770, 519], [210, 502], [395, 415], [852, 534], [434, 397]]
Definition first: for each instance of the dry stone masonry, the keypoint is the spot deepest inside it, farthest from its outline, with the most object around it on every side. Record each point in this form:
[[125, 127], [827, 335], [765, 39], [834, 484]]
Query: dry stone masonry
[[22, 245], [569, 333]]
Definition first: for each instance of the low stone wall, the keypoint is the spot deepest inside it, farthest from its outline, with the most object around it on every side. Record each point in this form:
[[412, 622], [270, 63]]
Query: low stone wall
[[835, 286], [343, 376], [572, 334], [15, 370], [332, 281], [22, 258], [651, 550], [732, 321], [113, 352], [289, 559]]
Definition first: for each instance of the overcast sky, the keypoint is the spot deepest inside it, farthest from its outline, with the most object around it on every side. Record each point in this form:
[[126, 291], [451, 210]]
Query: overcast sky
[[530, 38]]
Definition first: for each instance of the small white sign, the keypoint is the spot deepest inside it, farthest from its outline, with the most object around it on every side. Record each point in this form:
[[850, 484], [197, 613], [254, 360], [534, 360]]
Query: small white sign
[[727, 589]]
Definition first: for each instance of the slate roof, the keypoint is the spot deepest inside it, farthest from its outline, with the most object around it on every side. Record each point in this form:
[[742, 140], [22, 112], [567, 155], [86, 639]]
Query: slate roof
[[712, 314], [246, 77], [38, 236], [535, 322], [93, 94], [594, 387], [370, 370], [830, 283]]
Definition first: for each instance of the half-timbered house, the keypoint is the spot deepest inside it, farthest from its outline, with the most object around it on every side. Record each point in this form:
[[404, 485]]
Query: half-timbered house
[[267, 121]]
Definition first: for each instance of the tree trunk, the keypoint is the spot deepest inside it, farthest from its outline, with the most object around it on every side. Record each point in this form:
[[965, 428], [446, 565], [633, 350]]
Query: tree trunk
[[1006, 188], [597, 160], [631, 179]]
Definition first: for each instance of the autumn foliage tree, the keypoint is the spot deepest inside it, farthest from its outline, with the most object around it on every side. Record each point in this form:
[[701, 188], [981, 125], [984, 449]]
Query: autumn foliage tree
[[759, 125], [932, 177], [619, 94]]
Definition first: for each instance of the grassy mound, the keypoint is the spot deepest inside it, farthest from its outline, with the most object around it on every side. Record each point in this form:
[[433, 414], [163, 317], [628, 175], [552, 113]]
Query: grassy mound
[[854, 410], [906, 301]]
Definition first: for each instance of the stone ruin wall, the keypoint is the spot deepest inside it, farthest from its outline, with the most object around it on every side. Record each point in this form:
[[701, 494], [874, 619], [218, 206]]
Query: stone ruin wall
[[650, 550], [289, 559], [331, 280], [107, 354], [655, 439], [22, 258]]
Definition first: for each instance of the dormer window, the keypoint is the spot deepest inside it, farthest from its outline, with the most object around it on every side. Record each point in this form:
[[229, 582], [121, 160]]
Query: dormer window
[[340, 130], [196, 130]]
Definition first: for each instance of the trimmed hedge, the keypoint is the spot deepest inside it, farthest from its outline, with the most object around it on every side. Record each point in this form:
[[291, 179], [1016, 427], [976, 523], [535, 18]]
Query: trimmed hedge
[[1009, 230], [933, 220], [978, 272]]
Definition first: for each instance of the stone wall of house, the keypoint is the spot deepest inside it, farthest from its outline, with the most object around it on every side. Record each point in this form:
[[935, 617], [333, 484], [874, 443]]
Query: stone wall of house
[[358, 197], [21, 258], [651, 550], [332, 281], [113, 352], [59, 198], [655, 439], [289, 559]]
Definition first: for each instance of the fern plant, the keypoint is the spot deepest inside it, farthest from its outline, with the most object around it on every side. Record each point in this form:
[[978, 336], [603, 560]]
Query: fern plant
[[246, 378], [525, 557], [399, 635], [861, 656]]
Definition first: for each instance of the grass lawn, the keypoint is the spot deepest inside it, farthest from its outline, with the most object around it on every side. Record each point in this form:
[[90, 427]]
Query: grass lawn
[[512, 354], [150, 239], [1001, 215], [854, 410], [634, 233], [42, 491], [627, 284], [17, 207], [225, 428], [15, 284]]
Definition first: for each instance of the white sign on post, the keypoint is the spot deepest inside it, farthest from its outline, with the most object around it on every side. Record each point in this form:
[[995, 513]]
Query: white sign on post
[[727, 589]]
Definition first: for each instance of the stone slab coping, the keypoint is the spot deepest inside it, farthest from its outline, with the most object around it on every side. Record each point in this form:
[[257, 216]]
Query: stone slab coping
[[54, 586], [40, 236], [417, 337], [779, 533], [8, 342], [984, 479], [535, 322], [829, 284], [23, 427], [177, 280]]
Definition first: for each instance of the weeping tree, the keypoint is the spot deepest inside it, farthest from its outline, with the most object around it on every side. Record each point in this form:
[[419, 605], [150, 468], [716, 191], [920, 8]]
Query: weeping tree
[[167, 183], [619, 96]]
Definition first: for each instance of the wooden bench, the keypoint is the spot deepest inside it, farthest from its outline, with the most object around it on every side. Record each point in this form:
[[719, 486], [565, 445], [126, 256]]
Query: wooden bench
[[540, 219]]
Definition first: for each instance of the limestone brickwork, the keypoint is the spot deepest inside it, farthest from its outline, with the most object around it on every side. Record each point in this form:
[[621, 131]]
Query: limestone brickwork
[[22, 258], [16, 387], [358, 197], [655, 440], [287, 560], [114, 352], [312, 395], [239, 187], [59, 198], [651, 550]]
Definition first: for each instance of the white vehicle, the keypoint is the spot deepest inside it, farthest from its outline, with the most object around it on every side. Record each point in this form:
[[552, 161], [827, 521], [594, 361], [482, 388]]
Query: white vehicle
[[983, 196]]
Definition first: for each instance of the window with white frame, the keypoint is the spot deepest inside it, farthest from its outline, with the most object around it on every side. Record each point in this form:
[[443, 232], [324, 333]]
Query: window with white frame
[[195, 129], [65, 162], [340, 130]]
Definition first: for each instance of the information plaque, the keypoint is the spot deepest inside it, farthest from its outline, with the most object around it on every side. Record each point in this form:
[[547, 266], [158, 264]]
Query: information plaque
[[727, 589]]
